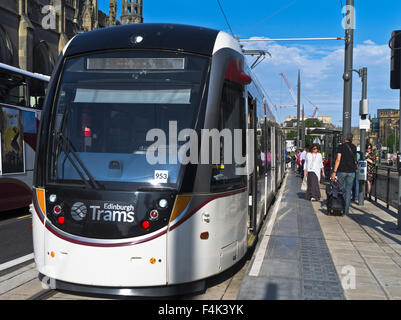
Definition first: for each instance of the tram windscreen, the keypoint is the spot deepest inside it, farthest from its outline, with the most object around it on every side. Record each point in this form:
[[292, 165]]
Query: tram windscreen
[[108, 104]]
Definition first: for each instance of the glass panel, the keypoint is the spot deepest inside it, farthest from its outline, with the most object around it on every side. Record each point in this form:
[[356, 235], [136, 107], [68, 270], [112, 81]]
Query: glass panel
[[103, 120], [232, 116]]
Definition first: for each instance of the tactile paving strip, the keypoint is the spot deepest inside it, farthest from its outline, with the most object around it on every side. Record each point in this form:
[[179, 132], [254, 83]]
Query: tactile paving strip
[[318, 274]]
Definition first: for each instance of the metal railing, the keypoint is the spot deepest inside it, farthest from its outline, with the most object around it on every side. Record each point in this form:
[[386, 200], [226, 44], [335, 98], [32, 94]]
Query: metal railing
[[385, 185]]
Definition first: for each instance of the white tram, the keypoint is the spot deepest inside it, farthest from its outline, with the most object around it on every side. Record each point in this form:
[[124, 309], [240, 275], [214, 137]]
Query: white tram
[[127, 198]]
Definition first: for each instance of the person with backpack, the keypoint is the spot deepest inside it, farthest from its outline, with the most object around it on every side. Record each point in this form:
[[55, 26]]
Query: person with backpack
[[345, 167]]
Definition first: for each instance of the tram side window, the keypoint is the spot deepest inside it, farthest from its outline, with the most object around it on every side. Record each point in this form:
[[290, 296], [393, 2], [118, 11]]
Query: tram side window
[[268, 146], [37, 93], [232, 116]]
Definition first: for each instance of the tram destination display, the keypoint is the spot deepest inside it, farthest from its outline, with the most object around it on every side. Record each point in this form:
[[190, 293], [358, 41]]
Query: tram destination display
[[135, 63]]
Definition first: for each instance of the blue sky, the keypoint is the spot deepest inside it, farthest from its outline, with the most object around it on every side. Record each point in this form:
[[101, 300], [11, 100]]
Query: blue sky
[[321, 62]]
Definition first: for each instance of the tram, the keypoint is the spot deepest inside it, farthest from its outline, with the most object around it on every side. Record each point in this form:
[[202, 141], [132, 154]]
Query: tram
[[21, 99], [133, 192]]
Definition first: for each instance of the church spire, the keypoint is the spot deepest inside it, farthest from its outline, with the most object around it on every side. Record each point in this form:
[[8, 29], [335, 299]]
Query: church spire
[[112, 19], [131, 11]]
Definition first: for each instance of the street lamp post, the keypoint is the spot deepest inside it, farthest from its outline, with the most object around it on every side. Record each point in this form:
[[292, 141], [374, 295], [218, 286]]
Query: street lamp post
[[348, 62], [363, 112]]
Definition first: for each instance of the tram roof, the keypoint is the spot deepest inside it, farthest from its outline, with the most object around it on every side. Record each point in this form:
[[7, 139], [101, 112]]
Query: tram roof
[[154, 36]]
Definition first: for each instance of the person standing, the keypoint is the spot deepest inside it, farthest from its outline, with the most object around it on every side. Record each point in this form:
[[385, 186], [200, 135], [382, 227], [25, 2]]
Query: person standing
[[299, 161], [371, 160], [345, 167], [355, 188], [313, 170], [303, 159]]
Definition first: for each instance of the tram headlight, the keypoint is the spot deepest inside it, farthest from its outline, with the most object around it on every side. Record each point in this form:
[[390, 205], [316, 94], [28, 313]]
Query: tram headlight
[[163, 203], [52, 198]]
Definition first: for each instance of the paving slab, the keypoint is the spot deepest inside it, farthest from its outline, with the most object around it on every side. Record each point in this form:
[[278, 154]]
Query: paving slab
[[311, 255], [297, 262], [370, 244]]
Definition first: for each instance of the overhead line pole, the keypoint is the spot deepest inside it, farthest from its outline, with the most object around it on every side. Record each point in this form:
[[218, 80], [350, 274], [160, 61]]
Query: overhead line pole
[[298, 108], [303, 127], [348, 62]]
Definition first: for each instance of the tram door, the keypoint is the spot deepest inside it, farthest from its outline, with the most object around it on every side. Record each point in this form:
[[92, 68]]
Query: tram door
[[252, 176], [274, 158]]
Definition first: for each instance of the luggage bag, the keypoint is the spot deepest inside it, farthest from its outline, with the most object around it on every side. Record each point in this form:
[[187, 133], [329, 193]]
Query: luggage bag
[[335, 199]]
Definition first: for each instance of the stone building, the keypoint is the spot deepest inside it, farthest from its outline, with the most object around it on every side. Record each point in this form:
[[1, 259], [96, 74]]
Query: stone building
[[131, 11], [389, 123], [33, 32]]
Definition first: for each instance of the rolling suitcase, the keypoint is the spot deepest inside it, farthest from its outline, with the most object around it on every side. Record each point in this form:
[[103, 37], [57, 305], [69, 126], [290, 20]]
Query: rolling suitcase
[[335, 199]]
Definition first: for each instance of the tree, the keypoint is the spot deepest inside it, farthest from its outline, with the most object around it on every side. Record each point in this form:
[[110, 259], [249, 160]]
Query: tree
[[392, 141], [313, 123], [291, 135]]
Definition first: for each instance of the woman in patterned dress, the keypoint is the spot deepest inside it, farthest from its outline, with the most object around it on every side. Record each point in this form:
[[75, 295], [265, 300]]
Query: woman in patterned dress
[[371, 159]]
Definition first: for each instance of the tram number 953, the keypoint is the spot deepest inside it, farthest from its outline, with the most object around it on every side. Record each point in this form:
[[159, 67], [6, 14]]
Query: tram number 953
[[161, 176]]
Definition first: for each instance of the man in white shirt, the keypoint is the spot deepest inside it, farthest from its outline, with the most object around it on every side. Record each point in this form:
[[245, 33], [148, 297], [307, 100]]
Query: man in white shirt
[[302, 160]]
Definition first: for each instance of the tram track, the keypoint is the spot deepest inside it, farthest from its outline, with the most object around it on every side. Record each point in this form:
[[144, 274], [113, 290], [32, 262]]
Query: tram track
[[43, 294]]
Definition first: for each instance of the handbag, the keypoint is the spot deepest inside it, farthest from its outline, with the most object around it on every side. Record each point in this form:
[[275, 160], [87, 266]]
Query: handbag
[[304, 185]]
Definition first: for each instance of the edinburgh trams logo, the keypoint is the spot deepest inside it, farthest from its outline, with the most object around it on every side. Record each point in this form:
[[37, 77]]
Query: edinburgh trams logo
[[78, 211], [107, 212]]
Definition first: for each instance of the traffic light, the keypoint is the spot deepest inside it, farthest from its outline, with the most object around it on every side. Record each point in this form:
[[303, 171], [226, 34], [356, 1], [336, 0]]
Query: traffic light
[[395, 45]]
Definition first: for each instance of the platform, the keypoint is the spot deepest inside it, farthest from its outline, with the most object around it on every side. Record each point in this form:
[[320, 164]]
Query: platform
[[305, 254]]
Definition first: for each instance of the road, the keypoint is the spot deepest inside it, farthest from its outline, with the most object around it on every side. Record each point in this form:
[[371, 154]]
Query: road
[[20, 282], [15, 234]]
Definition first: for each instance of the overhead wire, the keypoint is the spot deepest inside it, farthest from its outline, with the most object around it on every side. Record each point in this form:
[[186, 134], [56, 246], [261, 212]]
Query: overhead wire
[[273, 14], [225, 18], [341, 4], [267, 96]]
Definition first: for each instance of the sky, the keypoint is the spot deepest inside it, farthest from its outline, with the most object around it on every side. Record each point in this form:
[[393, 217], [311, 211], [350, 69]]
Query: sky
[[321, 63]]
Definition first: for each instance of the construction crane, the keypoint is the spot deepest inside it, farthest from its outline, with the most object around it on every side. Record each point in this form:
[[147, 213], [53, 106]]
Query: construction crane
[[289, 88], [315, 110], [295, 99]]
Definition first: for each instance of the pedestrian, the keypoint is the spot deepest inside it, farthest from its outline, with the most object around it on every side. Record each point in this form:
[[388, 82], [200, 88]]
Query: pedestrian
[[371, 160], [299, 161], [389, 159], [355, 188], [293, 160], [302, 159], [313, 170], [345, 167]]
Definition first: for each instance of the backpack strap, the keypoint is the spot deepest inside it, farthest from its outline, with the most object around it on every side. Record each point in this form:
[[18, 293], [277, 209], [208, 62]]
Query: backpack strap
[[353, 156]]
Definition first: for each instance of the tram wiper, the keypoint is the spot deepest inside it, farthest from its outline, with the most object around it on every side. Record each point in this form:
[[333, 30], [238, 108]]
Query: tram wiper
[[156, 189], [67, 148]]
